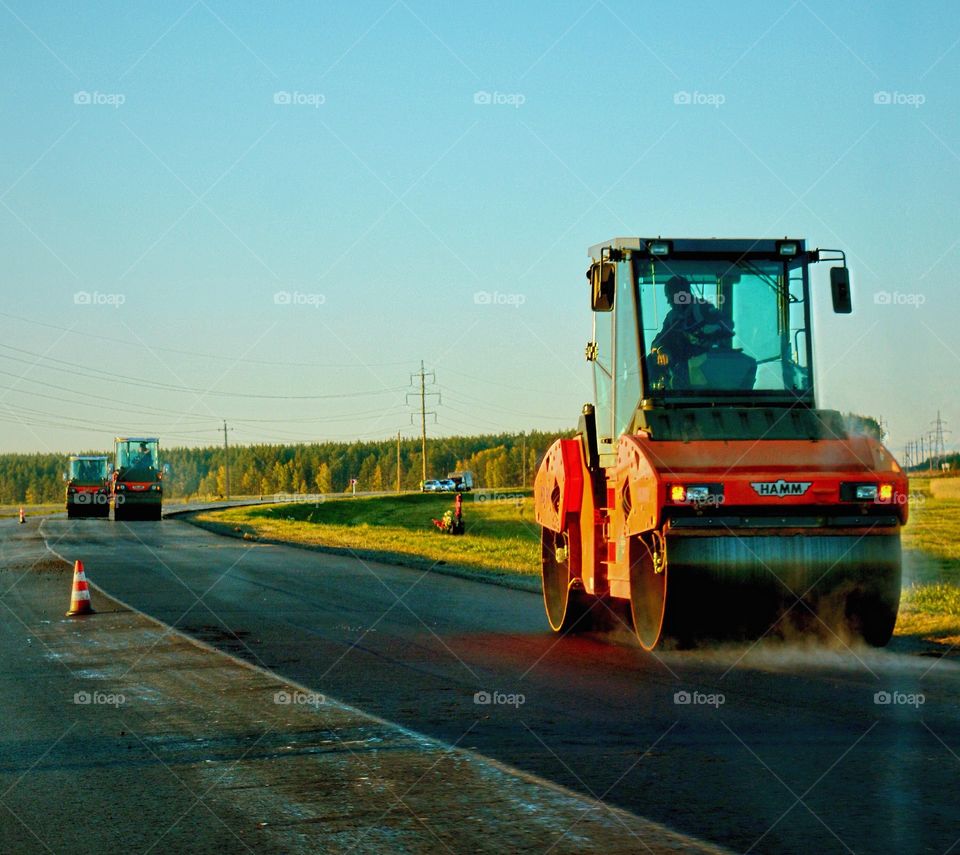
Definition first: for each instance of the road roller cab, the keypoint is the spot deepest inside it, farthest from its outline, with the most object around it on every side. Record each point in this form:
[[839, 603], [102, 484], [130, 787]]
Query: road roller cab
[[706, 494], [88, 486], [138, 479]]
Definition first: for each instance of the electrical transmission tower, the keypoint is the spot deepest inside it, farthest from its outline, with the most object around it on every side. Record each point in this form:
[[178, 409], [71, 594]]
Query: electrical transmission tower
[[938, 448], [422, 376]]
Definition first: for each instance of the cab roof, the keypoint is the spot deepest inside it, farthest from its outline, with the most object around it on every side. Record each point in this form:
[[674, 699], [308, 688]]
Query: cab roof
[[721, 246], [137, 439], [89, 457]]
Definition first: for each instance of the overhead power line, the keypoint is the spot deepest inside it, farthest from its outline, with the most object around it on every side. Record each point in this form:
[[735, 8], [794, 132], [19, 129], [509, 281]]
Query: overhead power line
[[169, 387], [219, 356]]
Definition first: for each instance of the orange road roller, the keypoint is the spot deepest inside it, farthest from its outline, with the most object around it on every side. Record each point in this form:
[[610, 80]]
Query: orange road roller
[[705, 494]]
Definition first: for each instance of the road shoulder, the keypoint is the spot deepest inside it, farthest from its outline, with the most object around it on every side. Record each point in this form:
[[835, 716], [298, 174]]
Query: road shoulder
[[134, 735]]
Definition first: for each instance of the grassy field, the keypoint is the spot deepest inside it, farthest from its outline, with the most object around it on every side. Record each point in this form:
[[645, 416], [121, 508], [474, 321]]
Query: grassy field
[[930, 606], [501, 534], [29, 510], [503, 538]]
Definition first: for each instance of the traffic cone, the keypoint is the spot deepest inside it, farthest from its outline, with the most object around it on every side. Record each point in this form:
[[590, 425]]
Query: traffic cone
[[23, 517], [80, 599]]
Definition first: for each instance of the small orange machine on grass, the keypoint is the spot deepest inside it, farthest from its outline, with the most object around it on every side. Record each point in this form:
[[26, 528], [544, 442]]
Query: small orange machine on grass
[[452, 520], [706, 495]]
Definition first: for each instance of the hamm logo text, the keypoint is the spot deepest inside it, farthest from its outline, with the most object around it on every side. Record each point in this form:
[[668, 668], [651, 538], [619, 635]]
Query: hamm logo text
[[780, 488]]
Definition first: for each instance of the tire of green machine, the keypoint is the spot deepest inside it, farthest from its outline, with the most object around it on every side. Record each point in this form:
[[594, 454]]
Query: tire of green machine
[[648, 594], [565, 606]]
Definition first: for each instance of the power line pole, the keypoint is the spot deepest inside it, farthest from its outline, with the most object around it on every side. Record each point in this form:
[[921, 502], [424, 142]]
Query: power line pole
[[939, 444], [398, 461], [226, 457], [423, 420], [523, 457], [423, 374]]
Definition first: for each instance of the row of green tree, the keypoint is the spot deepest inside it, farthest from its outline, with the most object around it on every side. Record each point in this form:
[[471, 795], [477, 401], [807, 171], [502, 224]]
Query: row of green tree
[[501, 460], [496, 460]]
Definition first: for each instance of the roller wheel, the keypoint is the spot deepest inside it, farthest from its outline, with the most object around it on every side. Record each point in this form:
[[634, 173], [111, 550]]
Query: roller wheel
[[871, 608], [648, 592], [725, 587], [566, 605], [872, 617]]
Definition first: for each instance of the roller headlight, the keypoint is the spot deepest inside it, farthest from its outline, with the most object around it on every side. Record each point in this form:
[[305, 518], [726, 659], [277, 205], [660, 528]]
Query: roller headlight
[[695, 494]]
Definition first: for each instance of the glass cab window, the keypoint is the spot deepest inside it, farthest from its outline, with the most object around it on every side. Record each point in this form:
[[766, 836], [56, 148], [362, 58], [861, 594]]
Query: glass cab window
[[715, 328], [603, 374], [87, 470], [627, 356], [138, 454]]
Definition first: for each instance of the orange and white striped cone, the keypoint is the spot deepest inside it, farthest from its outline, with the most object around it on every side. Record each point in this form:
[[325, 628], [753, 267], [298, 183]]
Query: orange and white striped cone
[[80, 599], [23, 517]]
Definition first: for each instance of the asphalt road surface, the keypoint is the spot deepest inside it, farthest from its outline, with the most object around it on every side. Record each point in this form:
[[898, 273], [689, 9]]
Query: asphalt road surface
[[773, 747], [126, 736]]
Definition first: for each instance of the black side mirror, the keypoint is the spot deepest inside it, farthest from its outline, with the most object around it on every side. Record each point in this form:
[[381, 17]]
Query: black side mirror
[[840, 288], [603, 285]]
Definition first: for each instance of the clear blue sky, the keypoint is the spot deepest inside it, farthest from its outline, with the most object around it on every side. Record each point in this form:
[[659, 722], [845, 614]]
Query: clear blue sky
[[186, 162]]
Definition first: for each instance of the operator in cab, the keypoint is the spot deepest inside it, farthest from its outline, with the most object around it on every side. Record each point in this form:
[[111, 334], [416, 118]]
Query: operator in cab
[[692, 327], [144, 458]]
